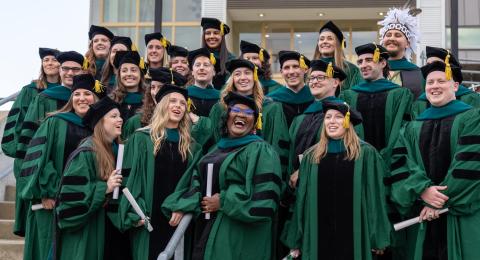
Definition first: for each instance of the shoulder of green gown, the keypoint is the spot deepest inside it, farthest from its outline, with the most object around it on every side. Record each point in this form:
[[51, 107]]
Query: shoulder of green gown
[[401, 64], [379, 85], [58, 92], [203, 93], [455, 107], [70, 117], [286, 95]]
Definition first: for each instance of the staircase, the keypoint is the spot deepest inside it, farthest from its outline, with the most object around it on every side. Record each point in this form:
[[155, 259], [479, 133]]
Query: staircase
[[11, 246]]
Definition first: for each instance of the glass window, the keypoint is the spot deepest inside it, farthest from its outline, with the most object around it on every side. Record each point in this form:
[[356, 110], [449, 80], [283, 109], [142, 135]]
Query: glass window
[[276, 42], [147, 10], [167, 32], [141, 38], [119, 11], [188, 10], [188, 37], [251, 37], [167, 9], [304, 43], [467, 38]]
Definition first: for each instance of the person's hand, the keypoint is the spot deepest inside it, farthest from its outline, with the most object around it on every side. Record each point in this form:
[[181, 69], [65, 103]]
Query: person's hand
[[175, 219], [48, 203], [193, 117], [293, 179], [434, 197], [429, 214], [115, 180], [378, 251], [295, 253], [140, 223], [211, 204]]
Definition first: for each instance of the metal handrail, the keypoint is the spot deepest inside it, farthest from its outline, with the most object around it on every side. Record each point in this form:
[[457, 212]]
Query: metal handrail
[[177, 236], [12, 97], [7, 172]]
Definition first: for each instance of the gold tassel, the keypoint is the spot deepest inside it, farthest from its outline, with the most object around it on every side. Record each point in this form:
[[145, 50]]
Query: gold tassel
[[330, 70], [85, 64], [164, 42], [212, 59], [376, 54], [259, 122], [222, 30], [346, 121], [142, 63], [448, 68], [171, 74], [260, 55], [343, 44], [134, 47], [303, 65], [255, 73], [190, 105], [98, 87]]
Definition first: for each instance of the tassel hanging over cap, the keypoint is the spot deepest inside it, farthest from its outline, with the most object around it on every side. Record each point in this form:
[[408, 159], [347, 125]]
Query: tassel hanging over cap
[[171, 75], [85, 64], [222, 29], [260, 55], [134, 47], [212, 59], [376, 54], [303, 65], [346, 121], [98, 87], [142, 63], [448, 67], [255, 73], [259, 123], [330, 71]]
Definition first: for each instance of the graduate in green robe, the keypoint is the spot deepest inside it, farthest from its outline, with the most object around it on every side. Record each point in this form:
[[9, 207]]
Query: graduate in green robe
[[179, 62], [109, 79], [324, 80], [168, 151], [49, 77], [463, 93], [156, 50], [49, 100], [45, 160], [86, 231], [261, 58], [434, 166], [213, 38], [245, 191], [130, 84], [400, 35], [340, 210], [384, 105], [330, 48], [98, 49]]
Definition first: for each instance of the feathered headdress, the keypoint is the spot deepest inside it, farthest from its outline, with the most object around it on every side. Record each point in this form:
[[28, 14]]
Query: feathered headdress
[[404, 21]]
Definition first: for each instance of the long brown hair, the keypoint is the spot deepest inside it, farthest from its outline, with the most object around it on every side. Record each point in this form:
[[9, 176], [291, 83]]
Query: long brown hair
[[148, 106], [223, 51], [103, 151], [90, 55], [350, 140], [258, 95], [41, 82], [338, 54], [121, 91]]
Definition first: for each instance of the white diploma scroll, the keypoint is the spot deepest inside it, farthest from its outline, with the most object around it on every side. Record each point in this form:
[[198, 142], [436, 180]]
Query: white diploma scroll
[[118, 167], [209, 184], [37, 206], [137, 209], [412, 221]]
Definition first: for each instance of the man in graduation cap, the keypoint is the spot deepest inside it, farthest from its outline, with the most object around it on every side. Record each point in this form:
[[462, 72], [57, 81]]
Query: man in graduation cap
[[400, 35], [435, 165], [463, 93]]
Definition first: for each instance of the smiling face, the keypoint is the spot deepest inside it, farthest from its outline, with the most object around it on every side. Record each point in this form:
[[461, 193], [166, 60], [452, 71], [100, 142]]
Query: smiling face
[[333, 123], [113, 51], [439, 90], [395, 42], [68, 70], [243, 81], [155, 51], [322, 86], [50, 65], [213, 38], [293, 74], [100, 46], [370, 70], [177, 105], [240, 120], [112, 124], [203, 70], [130, 75], [81, 101], [253, 58], [326, 43], [180, 65]]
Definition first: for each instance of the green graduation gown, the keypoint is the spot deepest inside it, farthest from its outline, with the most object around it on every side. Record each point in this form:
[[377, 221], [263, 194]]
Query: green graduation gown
[[269, 85], [408, 75], [153, 178], [340, 206], [463, 94], [440, 148], [86, 228], [132, 124], [130, 104], [41, 172], [11, 134], [384, 107], [203, 99], [247, 176], [354, 76]]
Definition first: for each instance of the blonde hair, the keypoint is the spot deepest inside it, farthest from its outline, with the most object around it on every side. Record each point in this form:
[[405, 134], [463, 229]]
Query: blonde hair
[[103, 151], [165, 59], [338, 54], [350, 140], [258, 95], [158, 131]]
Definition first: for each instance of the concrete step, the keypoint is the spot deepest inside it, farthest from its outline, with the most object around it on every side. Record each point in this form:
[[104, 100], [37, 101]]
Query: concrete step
[[10, 192], [7, 210], [11, 249], [6, 228]]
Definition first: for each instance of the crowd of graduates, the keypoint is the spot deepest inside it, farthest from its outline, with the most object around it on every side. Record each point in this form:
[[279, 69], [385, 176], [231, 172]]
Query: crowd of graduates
[[318, 168]]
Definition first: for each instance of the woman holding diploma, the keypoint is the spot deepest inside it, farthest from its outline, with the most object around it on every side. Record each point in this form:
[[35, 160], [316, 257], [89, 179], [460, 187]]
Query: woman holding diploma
[[160, 153], [245, 187], [86, 188], [340, 210]]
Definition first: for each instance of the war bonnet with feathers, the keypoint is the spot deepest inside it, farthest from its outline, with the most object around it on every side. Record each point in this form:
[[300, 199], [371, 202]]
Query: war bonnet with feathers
[[404, 21]]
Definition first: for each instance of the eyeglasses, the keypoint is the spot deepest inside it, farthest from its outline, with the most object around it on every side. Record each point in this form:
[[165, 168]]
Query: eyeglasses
[[246, 111], [73, 69], [318, 78]]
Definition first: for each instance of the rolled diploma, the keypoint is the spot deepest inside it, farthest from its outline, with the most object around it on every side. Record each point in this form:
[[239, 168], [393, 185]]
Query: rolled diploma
[[37, 206], [137, 209], [118, 167], [209, 184], [412, 221]]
